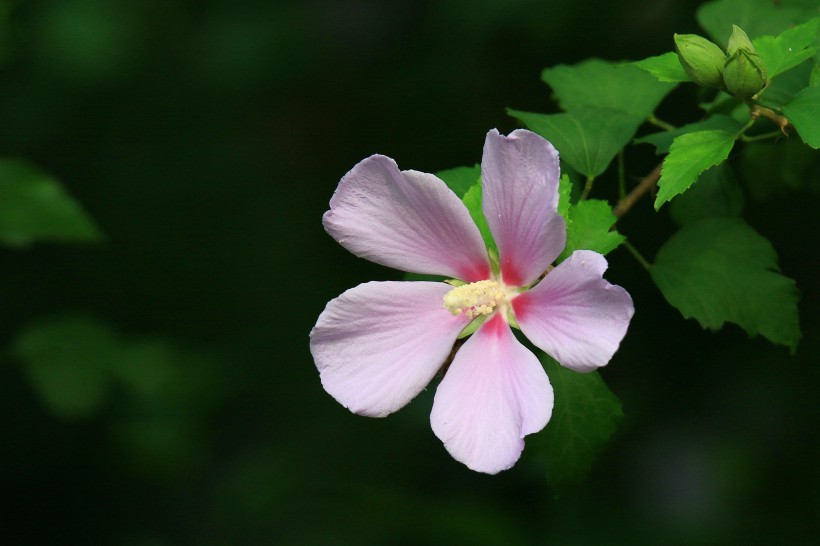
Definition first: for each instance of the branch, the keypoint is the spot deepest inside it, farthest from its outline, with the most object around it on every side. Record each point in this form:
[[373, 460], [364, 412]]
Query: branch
[[646, 183], [756, 111]]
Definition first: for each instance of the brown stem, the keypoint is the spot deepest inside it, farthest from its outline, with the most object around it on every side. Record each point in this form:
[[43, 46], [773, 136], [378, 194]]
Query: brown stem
[[646, 184], [755, 110]]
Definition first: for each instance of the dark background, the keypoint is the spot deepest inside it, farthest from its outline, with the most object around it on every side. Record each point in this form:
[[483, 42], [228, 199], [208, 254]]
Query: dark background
[[205, 138]]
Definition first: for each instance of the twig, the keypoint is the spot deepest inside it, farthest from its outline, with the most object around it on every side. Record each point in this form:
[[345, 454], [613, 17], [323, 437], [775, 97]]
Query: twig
[[637, 255], [646, 183], [773, 134], [755, 110], [660, 123], [587, 187]]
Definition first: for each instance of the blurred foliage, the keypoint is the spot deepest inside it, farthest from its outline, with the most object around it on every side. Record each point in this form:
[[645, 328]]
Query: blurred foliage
[[67, 363], [34, 207], [161, 394], [204, 140]]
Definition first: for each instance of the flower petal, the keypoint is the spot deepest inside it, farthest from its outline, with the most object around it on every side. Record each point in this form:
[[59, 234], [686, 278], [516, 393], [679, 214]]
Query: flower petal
[[407, 220], [574, 315], [494, 394], [378, 345], [520, 200]]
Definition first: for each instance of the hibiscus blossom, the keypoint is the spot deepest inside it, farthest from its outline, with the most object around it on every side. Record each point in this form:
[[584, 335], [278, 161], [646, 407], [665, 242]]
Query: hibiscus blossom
[[379, 344]]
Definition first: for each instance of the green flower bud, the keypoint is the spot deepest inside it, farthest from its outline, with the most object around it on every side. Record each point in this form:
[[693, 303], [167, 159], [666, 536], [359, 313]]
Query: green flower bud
[[745, 74], [739, 40], [701, 59]]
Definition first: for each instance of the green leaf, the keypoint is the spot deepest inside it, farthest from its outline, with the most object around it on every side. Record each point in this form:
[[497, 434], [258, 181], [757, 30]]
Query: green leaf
[[804, 113], [472, 200], [720, 270], [605, 104], [663, 139], [588, 139], [564, 191], [585, 416], [808, 6], [460, 179], [756, 17], [600, 84], [67, 361], [466, 183], [588, 228], [423, 277], [814, 77], [782, 89], [789, 48], [690, 155], [769, 168], [716, 195], [666, 67], [727, 105], [34, 207]]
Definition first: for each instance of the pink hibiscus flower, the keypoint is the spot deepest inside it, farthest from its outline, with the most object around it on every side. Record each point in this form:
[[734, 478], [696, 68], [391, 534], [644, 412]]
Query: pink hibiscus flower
[[379, 344]]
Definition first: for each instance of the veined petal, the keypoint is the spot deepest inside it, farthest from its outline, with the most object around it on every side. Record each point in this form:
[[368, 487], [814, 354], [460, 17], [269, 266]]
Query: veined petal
[[520, 200], [494, 393], [407, 220], [378, 345], [575, 315]]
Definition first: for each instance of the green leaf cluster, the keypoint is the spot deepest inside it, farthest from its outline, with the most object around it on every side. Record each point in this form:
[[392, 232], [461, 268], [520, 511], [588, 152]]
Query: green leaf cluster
[[717, 268], [758, 134], [783, 52]]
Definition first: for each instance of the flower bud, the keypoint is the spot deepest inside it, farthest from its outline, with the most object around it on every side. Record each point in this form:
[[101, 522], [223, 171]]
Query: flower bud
[[744, 74], [701, 59], [739, 39]]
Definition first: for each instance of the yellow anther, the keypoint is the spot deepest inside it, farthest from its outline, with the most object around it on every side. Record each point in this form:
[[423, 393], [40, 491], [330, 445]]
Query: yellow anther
[[474, 299]]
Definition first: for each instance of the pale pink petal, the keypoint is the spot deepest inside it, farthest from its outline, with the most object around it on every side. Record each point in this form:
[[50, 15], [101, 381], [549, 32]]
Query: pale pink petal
[[407, 220], [493, 394], [574, 315], [378, 345], [520, 199]]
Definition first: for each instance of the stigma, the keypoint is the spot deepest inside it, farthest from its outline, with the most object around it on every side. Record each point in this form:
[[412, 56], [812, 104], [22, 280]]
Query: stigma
[[475, 299]]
